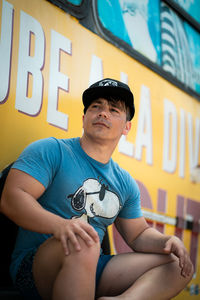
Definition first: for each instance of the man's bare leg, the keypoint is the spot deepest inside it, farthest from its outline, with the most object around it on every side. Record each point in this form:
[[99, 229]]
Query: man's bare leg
[[58, 276], [141, 277]]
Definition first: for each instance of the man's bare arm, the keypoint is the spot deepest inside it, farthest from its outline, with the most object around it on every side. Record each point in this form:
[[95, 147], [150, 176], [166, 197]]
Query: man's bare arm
[[19, 203], [142, 238]]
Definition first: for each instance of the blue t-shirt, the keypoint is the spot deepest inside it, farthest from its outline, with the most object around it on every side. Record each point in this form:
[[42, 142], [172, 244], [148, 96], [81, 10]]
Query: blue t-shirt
[[77, 186]]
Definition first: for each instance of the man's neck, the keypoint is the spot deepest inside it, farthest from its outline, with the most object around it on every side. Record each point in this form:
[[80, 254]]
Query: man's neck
[[97, 150]]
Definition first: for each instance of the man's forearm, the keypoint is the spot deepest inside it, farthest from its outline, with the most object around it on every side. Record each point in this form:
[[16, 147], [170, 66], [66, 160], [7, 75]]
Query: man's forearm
[[150, 240]]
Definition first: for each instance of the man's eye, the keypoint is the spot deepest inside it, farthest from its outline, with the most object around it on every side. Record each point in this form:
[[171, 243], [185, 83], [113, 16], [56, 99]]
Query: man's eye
[[114, 110]]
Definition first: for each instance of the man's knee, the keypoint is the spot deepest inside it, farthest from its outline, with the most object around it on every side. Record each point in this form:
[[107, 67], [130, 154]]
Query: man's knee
[[50, 259], [87, 255], [50, 256]]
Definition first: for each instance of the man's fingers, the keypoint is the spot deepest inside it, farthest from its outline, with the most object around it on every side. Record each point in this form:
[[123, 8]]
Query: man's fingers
[[175, 246], [186, 265], [86, 237], [71, 233], [92, 233], [182, 261], [73, 239], [64, 244], [88, 234], [181, 255]]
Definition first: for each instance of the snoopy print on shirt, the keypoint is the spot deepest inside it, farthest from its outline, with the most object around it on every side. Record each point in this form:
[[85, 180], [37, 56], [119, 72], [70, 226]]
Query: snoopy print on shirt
[[96, 199]]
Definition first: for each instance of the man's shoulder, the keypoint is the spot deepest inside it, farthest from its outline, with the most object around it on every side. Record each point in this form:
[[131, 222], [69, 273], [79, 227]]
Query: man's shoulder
[[68, 141], [120, 169], [43, 142], [53, 142], [124, 176]]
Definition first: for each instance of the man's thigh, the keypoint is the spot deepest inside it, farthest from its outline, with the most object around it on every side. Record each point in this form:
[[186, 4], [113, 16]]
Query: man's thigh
[[50, 258], [124, 269], [46, 265]]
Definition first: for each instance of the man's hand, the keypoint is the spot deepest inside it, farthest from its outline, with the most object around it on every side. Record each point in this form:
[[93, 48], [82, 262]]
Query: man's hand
[[69, 230], [174, 245]]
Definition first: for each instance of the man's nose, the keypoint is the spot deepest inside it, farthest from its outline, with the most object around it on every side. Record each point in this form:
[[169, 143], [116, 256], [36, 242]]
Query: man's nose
[[104, 112]]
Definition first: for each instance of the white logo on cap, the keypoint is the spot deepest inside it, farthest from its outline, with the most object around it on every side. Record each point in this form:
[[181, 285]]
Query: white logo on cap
[[107, 82]]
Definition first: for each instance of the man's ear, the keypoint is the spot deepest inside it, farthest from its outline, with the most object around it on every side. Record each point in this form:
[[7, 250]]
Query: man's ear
[[127, 128]]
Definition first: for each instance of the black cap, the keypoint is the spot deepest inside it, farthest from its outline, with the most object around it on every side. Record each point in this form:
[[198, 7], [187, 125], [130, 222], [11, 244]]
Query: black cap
[[109, 87]]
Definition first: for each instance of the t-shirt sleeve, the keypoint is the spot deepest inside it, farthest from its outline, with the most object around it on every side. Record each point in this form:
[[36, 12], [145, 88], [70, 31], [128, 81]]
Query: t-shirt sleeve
[[40, 160], [132, 206]]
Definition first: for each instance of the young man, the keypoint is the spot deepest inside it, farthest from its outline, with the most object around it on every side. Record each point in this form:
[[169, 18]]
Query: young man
[[64, 193]]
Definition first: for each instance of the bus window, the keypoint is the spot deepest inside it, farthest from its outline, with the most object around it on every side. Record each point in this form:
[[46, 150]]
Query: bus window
[[124, 16], [157, 32], [75, 2], [191, 7], [180, 45]]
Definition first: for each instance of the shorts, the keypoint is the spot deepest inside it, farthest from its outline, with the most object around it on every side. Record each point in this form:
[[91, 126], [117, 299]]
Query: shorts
[[25, 282]]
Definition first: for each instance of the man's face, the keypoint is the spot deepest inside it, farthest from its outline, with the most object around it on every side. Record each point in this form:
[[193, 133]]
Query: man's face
[[106, 120]]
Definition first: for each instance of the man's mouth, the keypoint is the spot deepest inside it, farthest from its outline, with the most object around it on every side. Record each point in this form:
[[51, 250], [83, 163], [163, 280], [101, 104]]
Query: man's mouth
[[101, 123]]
